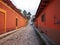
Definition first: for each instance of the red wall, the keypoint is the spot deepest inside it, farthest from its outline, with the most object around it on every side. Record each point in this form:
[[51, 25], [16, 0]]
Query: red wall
[[1, 22], [11, 16], [36, 23], [50, 26]]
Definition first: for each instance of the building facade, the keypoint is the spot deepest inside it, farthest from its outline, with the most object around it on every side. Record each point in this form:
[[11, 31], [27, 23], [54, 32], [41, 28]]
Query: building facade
[[10, 17], [48, 19]]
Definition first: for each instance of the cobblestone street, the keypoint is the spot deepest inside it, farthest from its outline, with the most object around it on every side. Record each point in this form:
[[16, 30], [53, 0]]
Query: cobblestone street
[[24, 36]]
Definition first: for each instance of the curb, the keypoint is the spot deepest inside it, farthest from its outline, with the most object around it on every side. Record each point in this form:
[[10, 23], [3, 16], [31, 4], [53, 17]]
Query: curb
[[44, 38], [7, 33]]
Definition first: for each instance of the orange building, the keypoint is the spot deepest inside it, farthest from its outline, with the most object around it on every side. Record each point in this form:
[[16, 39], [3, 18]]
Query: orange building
[[10, 17], [48, 19]]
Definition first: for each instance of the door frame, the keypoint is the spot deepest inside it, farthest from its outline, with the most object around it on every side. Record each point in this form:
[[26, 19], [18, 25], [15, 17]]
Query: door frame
[[3, 11]]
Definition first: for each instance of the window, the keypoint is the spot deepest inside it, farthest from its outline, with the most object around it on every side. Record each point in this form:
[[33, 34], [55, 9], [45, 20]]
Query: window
[[16, 22], [57, 19], [43, 18]]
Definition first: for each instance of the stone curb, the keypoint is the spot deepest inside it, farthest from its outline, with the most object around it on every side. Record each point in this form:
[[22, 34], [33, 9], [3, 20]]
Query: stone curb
[[9, 33], [44, 37]]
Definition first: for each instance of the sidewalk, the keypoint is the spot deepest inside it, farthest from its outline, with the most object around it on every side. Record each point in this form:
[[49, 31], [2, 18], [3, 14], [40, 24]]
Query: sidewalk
[[25, 36]]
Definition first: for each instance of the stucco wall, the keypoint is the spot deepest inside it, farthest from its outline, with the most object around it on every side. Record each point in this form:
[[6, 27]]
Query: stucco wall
[[11, 16], [51, 25]]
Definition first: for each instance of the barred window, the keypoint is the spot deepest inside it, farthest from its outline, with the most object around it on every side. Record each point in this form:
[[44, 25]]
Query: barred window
[[43, 18]]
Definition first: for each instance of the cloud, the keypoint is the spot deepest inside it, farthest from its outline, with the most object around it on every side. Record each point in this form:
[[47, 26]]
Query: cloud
[[26, 4]]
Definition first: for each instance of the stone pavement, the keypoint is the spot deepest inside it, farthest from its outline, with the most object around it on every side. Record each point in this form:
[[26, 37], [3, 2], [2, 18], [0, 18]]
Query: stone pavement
[[25, 36]]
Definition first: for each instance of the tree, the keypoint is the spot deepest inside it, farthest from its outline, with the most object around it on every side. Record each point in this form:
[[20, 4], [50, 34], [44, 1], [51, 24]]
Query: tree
[[24, 12], [29, 13]]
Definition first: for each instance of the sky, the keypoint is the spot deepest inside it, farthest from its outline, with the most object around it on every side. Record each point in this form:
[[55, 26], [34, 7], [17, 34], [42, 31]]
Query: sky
[[28, 5]]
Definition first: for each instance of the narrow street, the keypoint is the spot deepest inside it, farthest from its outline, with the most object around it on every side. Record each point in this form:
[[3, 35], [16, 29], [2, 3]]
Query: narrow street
[[29, 22], [24, 36]]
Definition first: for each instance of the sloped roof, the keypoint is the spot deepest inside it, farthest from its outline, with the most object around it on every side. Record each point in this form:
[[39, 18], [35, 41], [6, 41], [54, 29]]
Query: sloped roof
[[9, 3], [42, 6]]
